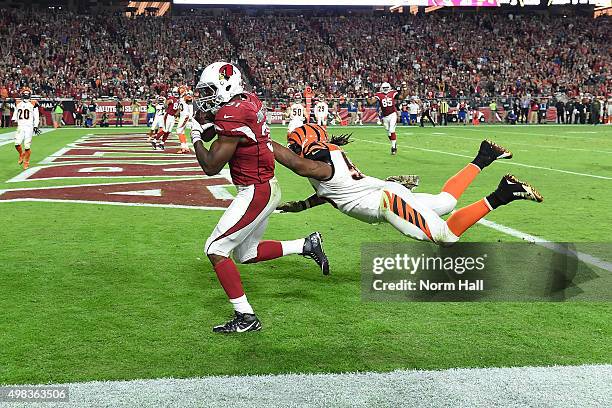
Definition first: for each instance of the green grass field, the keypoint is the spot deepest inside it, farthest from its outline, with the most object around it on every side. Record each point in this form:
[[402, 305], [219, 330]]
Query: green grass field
[[113, 292]]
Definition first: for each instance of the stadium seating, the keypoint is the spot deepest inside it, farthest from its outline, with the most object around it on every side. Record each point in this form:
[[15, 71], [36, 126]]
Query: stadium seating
[[65, 55]]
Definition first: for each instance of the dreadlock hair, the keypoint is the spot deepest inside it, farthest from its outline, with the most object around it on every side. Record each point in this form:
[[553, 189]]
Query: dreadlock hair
[[341, 140]]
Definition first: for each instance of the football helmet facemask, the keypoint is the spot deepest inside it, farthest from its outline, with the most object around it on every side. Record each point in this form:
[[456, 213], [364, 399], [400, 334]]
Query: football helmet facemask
[[385, 87], [219, 83], [26, 94]]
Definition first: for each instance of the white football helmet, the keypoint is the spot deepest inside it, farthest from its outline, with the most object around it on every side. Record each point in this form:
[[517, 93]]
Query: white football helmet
[[219, 83], [385, 87]]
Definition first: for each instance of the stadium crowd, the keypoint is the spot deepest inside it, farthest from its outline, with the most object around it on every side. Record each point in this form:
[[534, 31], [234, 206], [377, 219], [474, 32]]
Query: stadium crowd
[[65, 55], [59, 54]]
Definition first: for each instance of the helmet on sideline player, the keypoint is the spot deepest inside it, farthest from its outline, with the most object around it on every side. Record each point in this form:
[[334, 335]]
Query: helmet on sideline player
[[219, 83], [385, 87], [26, 93]]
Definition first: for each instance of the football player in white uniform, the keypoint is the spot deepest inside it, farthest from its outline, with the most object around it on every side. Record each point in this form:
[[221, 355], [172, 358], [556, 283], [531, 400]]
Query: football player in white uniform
[[417, 215], [185, 117], [321, 111], [296, 114], [158, 120], [26, 115]]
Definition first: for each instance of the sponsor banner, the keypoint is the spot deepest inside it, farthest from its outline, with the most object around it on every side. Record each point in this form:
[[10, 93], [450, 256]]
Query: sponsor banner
[[521, 272], [109, 107]]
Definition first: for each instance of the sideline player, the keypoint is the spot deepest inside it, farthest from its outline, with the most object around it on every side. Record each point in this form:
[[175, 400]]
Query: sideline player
[[388, 99], [417, 215], [158, 119], [185, 117], [296, 114], [171, 109], [243, 142], [321, 111], [27, 117]]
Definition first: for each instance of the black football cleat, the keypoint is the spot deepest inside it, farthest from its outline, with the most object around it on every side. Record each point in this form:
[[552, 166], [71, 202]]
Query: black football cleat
[[153, 144], [242, 322], [161, 146], [489, 152], [393, 151], [510, 188], [313, 249]]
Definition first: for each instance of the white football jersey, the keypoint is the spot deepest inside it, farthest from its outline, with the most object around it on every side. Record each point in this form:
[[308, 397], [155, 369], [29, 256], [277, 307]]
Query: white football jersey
[[321, 109], [26, 114], [186, 110], [353, 193], [160, 109], [297, 111]]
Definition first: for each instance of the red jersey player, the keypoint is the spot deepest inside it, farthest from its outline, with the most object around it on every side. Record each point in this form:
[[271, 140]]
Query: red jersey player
[[387, 99], [172, 107], [243, 142]]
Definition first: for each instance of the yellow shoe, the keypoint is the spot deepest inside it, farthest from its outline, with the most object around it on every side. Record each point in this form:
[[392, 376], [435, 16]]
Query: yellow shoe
[[26, 164]]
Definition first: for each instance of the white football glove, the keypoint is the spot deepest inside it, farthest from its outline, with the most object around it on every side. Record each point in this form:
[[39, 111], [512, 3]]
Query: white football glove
[[197, 130]]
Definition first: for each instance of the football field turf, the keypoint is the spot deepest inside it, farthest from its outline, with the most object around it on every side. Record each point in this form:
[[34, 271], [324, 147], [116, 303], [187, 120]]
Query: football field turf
[[96, 291]]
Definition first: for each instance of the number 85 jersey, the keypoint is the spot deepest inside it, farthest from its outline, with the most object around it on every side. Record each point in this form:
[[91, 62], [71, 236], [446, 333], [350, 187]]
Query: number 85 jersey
[[387, 102]]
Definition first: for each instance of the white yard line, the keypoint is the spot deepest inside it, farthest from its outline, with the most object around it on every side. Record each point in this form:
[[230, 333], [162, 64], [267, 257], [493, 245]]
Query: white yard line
[[555, 386], [526, 133], [524, 144], [512, 163], [559, 248], [8, 138]]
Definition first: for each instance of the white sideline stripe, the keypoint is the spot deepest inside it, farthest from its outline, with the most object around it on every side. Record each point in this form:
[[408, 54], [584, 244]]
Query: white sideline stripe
[[8, 138], [52, 200], [524, 144], [542, 134], [513, 163], [586, 258], [555, 386]]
